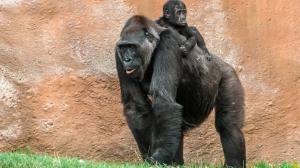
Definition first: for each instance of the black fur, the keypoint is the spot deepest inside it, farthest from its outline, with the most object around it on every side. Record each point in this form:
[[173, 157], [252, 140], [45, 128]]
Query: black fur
[[184, 91], [191, 33]]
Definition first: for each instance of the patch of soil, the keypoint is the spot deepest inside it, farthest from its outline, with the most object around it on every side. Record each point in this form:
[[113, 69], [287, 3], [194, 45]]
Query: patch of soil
[[78, 116]]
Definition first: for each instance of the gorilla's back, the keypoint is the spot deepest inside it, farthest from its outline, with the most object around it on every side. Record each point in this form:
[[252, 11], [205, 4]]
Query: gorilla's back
[[198, 74]]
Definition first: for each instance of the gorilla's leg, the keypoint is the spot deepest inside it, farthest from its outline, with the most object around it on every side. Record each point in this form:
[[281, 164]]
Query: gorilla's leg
[[139, 119], [167, 132], [167, 112], [230, 118], [178, 159]]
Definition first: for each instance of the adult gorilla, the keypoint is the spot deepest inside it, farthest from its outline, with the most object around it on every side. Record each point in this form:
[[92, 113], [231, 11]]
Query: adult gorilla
[[183, 92]]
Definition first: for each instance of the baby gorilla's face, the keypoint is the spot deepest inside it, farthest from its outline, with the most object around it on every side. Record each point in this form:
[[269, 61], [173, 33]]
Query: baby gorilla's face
[[180, 15], [175, 12]]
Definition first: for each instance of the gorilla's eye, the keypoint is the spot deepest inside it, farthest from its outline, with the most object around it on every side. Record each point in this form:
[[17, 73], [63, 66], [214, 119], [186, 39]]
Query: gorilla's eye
[[148, 35]]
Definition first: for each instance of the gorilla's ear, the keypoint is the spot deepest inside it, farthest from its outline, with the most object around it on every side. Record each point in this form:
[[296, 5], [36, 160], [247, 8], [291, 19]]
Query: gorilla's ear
[[155, 29], [160, 29]]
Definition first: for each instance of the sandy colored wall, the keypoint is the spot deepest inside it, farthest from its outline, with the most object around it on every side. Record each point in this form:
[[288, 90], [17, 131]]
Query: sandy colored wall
[[59, 93]]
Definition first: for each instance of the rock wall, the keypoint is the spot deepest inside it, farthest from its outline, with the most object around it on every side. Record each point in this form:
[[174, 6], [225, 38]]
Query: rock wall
[[59, 92]]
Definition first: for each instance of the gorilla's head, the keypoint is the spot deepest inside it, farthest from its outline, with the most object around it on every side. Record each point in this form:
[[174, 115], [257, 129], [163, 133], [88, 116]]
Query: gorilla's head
[[138, 41], [175, 12]]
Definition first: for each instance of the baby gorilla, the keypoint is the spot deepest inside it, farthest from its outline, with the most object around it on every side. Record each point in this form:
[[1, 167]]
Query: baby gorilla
[[174, 15]]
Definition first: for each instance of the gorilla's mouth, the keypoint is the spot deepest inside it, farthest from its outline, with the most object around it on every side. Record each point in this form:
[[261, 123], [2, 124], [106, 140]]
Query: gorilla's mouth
[[182, 22], [129, 71]]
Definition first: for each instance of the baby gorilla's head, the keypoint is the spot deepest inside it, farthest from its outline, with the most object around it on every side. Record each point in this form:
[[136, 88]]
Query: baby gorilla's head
[[175, 12]]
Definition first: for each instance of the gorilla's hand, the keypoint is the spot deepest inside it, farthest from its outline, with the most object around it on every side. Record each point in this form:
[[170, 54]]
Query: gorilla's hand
[[184, 50]]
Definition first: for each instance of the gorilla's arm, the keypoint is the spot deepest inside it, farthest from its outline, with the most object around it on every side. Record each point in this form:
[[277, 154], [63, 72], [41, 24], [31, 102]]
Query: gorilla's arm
[[199, 39], [137, 109], [193, 37], [163, 88]]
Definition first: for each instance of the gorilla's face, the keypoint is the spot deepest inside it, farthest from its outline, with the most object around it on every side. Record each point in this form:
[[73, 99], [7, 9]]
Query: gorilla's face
[[175, 12], [138, 40], [178, 17]]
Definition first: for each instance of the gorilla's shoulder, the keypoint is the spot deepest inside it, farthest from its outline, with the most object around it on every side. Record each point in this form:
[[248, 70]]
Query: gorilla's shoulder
[[170, 34], [167, 33]]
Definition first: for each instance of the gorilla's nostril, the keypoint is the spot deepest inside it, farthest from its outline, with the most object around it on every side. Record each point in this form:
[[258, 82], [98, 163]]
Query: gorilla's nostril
[[127, 59]]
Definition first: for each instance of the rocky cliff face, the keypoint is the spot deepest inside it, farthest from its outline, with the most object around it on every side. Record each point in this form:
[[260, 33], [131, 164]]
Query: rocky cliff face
[[59, 92]]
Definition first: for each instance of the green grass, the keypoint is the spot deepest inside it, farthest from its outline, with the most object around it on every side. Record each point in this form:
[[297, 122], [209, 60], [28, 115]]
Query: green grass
[[30, 160], [24, 160]]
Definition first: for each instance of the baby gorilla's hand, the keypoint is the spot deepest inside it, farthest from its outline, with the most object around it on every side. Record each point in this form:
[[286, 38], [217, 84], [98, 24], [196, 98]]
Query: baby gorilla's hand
[[183, 49]]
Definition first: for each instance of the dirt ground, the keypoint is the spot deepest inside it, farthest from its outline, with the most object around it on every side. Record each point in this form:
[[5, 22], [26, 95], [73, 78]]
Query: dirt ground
[[59, 92]]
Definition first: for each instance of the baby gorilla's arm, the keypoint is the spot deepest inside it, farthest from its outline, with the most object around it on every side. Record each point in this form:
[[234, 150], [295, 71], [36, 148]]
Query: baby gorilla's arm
[[193, 37], [192, 31]]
